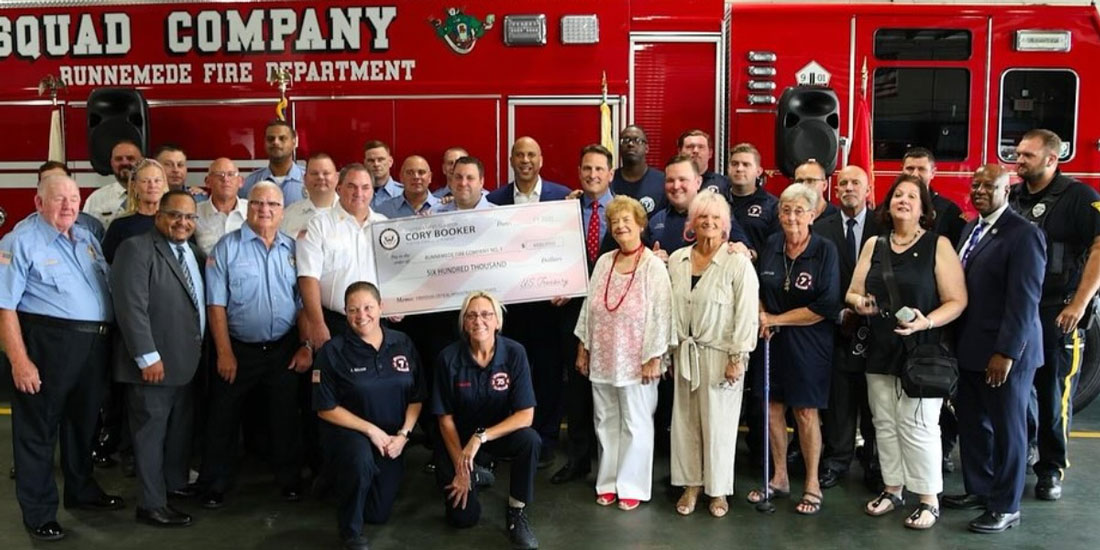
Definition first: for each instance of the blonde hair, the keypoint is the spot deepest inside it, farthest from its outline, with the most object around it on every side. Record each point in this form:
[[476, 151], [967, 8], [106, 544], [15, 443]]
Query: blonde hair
[[706, 203], [132, 200], [628, 204], [498, 308]]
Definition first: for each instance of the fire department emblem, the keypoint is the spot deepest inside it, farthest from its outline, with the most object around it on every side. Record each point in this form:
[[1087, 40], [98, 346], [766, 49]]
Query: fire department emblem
[[755, 211], [400, 363], [647, 203], [460, 30], [499, 381], [712, 188], [804, 281]]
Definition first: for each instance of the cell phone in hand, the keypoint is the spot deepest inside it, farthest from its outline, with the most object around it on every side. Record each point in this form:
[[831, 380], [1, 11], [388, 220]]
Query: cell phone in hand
[[905, 315]]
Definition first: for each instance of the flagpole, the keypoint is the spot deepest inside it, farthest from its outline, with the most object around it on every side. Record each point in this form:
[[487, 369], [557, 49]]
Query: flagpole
[[53, 85]]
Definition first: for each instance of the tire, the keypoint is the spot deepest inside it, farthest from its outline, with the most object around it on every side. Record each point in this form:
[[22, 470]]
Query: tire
[[1088, 382]]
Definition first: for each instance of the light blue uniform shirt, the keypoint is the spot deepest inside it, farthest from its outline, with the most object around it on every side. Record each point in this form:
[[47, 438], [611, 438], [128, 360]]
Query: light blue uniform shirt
[[192, 266], [399, 207], [44, 273], [293, 186], [453, 207], [386, 192], [256, 285]]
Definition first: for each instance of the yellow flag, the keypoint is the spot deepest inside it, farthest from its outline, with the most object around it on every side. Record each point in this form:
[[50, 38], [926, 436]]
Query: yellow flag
[[57, 138]]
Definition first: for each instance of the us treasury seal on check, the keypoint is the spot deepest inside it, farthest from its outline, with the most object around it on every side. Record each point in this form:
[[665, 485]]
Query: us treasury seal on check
[[522, 253]]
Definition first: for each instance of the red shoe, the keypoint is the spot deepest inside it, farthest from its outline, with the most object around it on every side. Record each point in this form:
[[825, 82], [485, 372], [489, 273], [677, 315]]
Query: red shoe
[[606, 499], [628, 504]]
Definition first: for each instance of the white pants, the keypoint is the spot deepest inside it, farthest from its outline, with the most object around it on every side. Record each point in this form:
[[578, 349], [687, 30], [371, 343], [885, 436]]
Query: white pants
[[704, 428], [624, 430], [908, 433]]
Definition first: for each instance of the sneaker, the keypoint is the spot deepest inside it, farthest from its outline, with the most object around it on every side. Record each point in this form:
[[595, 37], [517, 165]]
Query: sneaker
[[519, 529]]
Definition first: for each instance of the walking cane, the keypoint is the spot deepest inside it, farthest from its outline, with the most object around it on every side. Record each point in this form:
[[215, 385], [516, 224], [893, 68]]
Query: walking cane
[[766, 505]]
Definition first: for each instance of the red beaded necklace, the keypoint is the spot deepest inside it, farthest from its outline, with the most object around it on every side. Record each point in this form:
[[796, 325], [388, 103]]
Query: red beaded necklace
[[633, 273]]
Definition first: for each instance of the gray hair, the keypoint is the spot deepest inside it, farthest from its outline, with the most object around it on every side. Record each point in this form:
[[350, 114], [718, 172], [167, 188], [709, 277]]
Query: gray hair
[[265, 184], [52, 180], [796, 191]]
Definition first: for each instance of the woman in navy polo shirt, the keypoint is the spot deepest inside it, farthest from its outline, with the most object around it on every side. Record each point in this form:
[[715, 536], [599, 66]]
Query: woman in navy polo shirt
[[367, 386], [800, 292], [484, 399]]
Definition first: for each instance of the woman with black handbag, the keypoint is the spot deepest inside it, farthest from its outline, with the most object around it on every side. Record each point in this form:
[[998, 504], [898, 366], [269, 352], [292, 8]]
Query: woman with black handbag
[[909, 284]]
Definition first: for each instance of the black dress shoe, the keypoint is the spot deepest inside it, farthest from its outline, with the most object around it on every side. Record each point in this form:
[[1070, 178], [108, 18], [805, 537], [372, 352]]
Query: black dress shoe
[[104, 502], [963, 502], [994, 522], [212, 500], [829, 478], [292, 494], [49, 531], [162, 517], [187, 491], [1049, 487], [568, 473], [358, 542]]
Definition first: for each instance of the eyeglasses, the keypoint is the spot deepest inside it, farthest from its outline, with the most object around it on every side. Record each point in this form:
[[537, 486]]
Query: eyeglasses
[[260, 204], [483, 315], [808, 180], [176, 215], [225, 175], [633, 140]]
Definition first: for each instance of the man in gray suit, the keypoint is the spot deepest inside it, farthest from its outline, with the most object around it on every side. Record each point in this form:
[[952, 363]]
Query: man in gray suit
[[157, 286]]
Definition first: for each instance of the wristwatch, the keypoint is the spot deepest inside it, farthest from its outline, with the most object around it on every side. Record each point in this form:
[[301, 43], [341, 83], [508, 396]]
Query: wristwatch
[[481, 435]]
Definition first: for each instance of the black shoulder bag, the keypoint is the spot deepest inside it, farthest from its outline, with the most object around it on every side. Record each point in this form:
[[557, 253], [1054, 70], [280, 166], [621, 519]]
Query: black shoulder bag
[[929, 371]]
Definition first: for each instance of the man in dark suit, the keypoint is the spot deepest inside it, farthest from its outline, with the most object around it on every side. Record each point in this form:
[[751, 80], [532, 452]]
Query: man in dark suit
[[1000, 345], [535, 324], [528, 185], [156, 284], [848, 229]]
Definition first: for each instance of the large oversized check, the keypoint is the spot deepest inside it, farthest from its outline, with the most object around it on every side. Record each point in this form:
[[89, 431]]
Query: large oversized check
[[520, 253]]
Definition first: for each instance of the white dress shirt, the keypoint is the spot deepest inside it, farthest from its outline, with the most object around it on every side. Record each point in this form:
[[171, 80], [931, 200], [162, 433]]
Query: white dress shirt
[[106, 203], [524, 198], [337, 252], [213, 225], [297, 216]]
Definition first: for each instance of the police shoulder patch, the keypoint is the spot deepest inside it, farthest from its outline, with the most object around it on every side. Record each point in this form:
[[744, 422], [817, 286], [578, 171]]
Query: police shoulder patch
[[5, 257]]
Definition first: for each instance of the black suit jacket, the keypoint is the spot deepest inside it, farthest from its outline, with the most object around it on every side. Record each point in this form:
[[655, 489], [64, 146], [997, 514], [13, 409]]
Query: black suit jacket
[[154, 310], [1004, 281], [832, 227]]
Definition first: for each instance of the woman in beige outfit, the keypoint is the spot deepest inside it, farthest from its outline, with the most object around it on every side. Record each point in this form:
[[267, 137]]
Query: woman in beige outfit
[[715, 302]]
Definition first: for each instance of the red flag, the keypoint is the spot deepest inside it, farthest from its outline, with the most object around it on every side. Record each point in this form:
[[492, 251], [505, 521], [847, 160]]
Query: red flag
[[862, 151]]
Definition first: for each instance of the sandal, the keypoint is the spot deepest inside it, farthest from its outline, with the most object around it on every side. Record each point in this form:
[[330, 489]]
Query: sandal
[[756, 496], [686, 505], [628, 504], [606, 499], [893, 502], [911, 521], [718, 507], [808, 507]]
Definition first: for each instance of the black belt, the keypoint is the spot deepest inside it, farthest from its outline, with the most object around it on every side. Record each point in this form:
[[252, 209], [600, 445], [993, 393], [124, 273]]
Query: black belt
[[265, 346], [90, 327]]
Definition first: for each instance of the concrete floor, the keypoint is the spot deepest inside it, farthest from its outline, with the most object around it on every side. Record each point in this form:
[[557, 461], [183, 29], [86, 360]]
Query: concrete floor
[[567, 517]]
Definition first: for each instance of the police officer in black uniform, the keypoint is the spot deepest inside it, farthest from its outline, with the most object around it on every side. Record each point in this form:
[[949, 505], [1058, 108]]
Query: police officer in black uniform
[[53, 290], [1068, 212], [484, 398], [368, 386]]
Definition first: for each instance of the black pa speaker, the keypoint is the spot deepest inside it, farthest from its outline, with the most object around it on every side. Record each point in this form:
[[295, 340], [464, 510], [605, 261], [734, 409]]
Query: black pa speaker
[[807, 127], [115, 114]]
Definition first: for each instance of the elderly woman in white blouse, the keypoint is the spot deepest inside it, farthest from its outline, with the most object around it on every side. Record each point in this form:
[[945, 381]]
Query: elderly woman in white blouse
[[625, 330], [715, 306]]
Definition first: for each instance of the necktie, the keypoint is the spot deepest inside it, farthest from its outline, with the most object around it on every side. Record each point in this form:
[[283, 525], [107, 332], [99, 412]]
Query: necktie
[[850, 236], [592, 239], [186, 274], [973, 241]]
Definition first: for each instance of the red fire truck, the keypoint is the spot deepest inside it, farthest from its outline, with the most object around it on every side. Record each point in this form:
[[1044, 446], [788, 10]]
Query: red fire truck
[[962, 80]]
